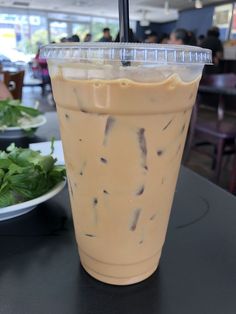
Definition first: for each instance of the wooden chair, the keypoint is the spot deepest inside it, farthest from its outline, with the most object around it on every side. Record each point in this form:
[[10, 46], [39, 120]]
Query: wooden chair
[[15, 84], [6, 76], [218, 133]]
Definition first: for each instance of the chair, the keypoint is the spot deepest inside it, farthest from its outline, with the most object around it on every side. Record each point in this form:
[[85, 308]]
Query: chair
[[218, 133], [232, 184], [15, 84], [5, 77]]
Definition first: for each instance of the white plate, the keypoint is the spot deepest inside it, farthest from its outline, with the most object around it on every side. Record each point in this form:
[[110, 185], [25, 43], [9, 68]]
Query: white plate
[[25, 207], [18, 132]]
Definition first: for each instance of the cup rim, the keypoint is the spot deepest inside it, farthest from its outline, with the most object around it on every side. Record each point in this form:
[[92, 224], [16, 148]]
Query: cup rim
[[127, 52]]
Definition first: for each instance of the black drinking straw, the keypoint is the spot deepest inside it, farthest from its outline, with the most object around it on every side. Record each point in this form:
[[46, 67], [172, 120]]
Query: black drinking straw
[[124, 20]]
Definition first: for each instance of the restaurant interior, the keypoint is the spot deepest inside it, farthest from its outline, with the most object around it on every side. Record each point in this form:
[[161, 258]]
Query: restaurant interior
[[110, 193], [28, 25]]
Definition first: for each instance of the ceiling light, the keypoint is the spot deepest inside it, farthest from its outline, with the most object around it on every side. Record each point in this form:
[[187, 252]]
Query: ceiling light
[[21, 3], [198, 4]]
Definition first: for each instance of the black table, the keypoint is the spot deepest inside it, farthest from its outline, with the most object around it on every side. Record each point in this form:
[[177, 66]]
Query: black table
[[40, 271]]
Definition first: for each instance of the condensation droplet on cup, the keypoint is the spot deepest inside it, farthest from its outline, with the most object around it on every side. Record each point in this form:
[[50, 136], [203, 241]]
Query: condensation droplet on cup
[[124, 84], [97, 84]]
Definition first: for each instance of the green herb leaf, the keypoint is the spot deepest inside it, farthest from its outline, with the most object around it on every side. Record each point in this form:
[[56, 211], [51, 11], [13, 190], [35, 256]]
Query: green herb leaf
[[26, 174], [6, 198], [11, 111]]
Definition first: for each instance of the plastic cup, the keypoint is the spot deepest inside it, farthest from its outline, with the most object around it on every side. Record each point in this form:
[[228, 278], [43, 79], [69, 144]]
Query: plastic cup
[[123, 131]]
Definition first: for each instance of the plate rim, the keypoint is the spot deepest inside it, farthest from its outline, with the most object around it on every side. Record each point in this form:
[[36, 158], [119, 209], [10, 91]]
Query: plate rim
[[56, 189], [18, 128]]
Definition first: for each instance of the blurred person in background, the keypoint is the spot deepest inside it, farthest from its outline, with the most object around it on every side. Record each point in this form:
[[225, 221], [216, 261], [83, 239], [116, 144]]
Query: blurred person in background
[[192, 41], [88, 37], [39, 69], [74, 39], [213, 42], [132, 38], [152, 38], [164, 39], [64, 40], [200, 40], [181, 36], [106, 35]]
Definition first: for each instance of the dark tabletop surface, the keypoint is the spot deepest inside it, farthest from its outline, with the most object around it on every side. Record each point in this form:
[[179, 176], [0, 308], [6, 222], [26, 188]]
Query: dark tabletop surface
[[40, 272]]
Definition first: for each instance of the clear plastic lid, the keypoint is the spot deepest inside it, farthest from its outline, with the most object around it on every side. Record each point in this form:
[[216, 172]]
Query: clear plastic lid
[[127, 52]]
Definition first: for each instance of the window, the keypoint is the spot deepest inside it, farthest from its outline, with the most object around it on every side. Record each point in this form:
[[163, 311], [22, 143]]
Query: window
[[98, 23], [222, 19], [233, 30], [58, 30], [38, 32], [114, 27], [22, 32], [14, 30], [25, 30], [81, 29]]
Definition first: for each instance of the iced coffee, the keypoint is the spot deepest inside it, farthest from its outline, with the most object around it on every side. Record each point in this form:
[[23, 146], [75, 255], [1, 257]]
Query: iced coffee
[[123, 130]]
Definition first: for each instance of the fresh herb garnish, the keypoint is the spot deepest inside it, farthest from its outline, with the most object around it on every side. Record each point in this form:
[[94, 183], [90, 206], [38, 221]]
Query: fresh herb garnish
[[26, 174], [13, 113]]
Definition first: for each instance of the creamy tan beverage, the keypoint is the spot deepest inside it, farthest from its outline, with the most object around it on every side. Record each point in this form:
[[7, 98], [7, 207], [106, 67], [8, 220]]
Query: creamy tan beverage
[[123, 136]]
